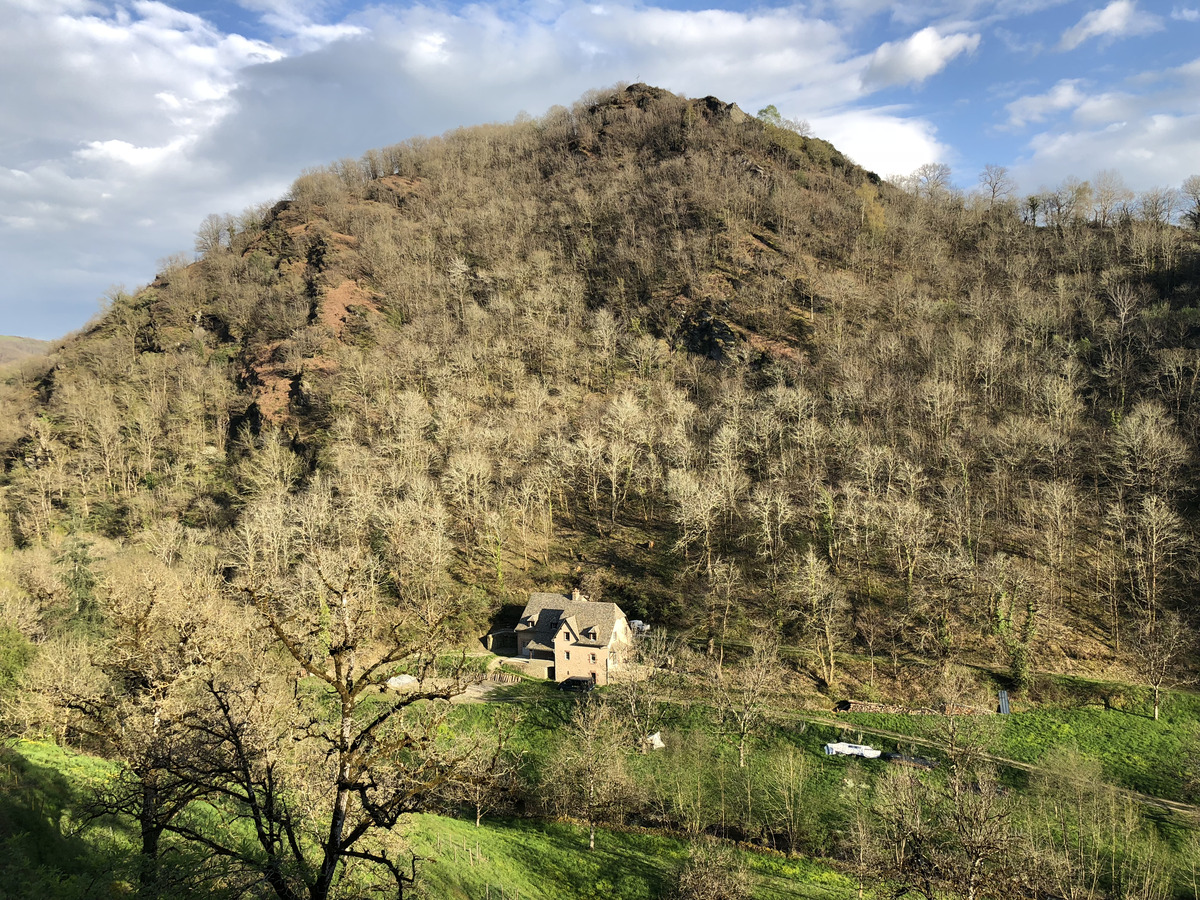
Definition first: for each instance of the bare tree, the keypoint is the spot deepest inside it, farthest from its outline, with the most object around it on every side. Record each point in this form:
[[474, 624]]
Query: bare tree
[[1191, 195], [1157, 540], [363, 754], [1149, 452], [1158, 204], [711, 873], [931, 180], [1160, 648], [998, 185], [1073, 829], [908, 527], [816, 598], [903, 829], [640, 695], [1110, 196], [741, 695], [787, 782], [978, 826], [586, 776], [130, 696], [724, 581], [489, 774], [698, 505], [950, 833]]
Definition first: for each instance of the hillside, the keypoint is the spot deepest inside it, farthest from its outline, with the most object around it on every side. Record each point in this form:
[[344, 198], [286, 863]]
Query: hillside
[[691, 329], [15, 348], [699, 364]]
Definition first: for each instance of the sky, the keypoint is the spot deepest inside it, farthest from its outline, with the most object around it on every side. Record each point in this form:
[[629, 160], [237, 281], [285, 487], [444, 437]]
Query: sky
[[123, 123]]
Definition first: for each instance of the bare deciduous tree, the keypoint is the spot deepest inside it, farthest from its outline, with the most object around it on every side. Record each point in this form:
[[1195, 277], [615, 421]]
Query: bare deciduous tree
[[1160, 647], [741, 693], [586, 777], [818, 601], [998, 185]]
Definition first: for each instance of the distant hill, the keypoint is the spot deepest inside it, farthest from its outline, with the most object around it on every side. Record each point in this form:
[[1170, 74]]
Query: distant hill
[[14, 348]]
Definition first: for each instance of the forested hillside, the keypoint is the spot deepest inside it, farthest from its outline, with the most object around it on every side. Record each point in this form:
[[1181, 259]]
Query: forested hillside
[[696, 362], [15, 348]]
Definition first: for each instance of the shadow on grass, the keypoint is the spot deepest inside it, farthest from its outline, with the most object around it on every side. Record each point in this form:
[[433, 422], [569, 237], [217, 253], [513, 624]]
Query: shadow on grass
[[42, 856]]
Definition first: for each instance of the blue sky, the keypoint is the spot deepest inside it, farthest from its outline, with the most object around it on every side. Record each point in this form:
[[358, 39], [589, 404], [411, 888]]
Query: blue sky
[[124, 122]]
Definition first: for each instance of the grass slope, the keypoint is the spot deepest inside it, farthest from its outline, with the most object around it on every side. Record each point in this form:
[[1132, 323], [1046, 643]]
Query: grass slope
[[533, 860], [1135, 751], [43, 856]]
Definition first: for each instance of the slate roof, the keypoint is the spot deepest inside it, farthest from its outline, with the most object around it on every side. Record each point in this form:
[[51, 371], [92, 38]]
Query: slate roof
[[593, 623]]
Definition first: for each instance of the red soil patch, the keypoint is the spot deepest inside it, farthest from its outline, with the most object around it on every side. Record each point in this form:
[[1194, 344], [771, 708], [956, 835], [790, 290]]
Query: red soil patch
[[273, 396], [770, 347], [269, 387], [336, 305]]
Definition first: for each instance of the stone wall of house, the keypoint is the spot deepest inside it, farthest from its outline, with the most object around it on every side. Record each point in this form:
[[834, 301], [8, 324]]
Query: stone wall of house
[[573, 661]]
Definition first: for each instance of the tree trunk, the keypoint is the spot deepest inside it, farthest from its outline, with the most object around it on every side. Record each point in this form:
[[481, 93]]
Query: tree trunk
[[333, 846], [148, 864]]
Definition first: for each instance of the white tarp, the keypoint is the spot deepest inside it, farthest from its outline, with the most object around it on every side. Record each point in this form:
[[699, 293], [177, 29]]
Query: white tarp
[[843, 749], [655, 741], [401, 681]]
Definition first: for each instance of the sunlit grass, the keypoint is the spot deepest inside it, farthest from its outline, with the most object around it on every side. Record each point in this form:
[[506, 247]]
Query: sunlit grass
[[535, 859]]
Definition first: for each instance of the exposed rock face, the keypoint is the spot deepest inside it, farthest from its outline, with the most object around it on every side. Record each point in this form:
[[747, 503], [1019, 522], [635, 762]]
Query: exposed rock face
[[643, 96], [714, 108], [708, 335]]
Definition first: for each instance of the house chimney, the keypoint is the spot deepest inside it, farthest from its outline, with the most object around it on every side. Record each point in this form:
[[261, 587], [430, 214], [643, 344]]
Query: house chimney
[[576, 596]]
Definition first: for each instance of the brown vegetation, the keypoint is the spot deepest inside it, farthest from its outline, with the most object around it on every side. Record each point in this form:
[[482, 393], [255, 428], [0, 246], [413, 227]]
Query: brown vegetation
[[758, 391]]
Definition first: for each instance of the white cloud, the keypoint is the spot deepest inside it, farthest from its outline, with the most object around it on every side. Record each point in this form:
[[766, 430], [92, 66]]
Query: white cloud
[[1119, 19], [914, 60], [1065, 95], [1159, 149], [295, 22], [102, 105], [1108, 108], [911, 13], [146, 159], [1113, 130], [124, 122], [881, 140], [424, 69], [1185, 14]]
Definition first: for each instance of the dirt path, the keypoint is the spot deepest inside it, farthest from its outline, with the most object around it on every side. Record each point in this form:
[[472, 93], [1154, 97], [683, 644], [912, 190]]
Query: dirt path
[[480, 692]]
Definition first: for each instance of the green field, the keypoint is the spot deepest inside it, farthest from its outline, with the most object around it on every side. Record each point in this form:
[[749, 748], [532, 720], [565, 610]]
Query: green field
[[48, 851], [42, 851], [45, 853], [1136, 752], [547, 861]]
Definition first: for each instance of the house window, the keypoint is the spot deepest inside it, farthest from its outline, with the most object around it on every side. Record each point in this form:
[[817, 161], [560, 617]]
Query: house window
[[568, 654], [593, 658]]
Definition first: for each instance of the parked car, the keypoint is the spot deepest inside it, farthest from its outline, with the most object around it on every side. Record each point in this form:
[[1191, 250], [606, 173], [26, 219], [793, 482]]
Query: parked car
[[576, 683]]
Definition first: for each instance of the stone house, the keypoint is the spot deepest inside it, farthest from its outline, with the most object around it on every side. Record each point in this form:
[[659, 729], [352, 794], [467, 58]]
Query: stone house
[[583, 639]]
